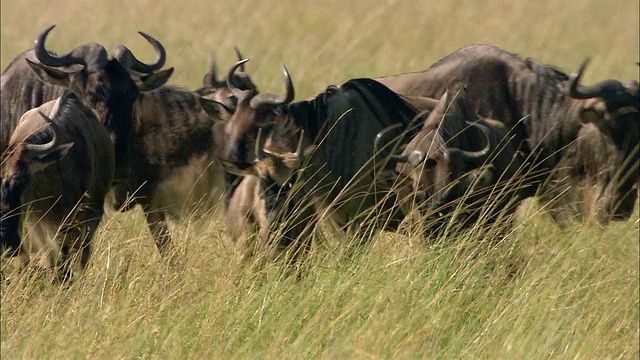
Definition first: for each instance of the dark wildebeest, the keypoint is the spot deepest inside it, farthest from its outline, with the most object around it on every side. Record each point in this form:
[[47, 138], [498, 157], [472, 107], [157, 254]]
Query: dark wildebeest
[[104, 85], [58, 170], [343, 122], [533, 102], [458, 155]]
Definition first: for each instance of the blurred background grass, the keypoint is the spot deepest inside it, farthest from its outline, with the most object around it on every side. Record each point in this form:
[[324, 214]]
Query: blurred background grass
[[327, 42], [542, 292]]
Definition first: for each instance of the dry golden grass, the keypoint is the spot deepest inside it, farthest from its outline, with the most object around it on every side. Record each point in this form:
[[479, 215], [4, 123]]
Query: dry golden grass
[[542, 292]]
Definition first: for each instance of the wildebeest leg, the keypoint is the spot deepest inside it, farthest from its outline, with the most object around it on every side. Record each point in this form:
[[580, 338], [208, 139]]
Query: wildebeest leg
[[159, 230], [75, 251], [89, 231]]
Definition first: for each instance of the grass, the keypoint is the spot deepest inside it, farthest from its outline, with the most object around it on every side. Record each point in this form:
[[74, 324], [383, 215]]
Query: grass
[[541, 292]]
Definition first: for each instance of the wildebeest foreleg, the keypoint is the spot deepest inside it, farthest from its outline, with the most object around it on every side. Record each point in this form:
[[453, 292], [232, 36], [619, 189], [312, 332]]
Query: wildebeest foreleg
[[159, 230]]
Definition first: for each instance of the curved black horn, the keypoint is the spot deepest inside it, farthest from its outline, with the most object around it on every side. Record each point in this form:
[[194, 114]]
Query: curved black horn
[[383, 136], [139, 66], [464, 155], [234, 90], [259, 154], [265, 101], [211, 79], [578, 91], [400, 158], [42, 148], [240, 57], [299, 151], [47, 58]]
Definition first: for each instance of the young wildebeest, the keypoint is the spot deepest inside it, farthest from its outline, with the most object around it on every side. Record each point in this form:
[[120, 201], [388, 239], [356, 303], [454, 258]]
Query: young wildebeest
[[533, 102], [104, 85], [261, 200], [457, 155], [174, 152], [343, 122], [58, 170], [178, 135]]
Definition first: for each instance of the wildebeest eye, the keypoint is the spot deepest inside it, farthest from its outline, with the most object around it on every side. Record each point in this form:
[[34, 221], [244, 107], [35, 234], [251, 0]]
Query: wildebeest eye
[[430, 163]]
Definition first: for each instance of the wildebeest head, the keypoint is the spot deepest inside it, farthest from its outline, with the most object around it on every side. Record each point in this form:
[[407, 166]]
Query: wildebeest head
[[218, 90], [612, 108], [277, 165], [39, 150], [612, 105], [105, 85], [447, 156], [253, 111]]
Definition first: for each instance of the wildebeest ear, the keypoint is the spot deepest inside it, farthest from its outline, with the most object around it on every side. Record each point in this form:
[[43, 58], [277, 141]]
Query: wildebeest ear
[[155, 80], [41, 160], [212, 107], [52, 75], [239, 168]]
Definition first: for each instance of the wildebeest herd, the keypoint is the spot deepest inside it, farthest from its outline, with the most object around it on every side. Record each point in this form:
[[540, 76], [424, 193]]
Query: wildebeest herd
[[461, 143]]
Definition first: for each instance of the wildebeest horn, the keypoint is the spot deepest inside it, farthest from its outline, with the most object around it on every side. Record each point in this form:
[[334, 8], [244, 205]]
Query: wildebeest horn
[[456, 154], [43, 148], [578, 91], [210, 79], [87, 55], [234, 90], [612, 91], [400, 158], [258, 147], [139, 66], [267, 101], [299, 151], [240, 57], [383, 136]]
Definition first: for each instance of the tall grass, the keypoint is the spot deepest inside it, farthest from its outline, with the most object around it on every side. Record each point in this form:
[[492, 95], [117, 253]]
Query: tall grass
[[539, 292]]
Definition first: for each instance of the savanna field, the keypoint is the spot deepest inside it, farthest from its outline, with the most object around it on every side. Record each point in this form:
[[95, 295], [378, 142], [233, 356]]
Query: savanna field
[[539, 292]]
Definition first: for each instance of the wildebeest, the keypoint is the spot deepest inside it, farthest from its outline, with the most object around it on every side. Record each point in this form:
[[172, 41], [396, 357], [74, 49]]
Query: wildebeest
[[458, 155], [343, 121], [176, 140], [105, 85], [58, 170], [545, 109], [261, 200]]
